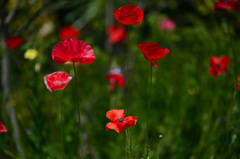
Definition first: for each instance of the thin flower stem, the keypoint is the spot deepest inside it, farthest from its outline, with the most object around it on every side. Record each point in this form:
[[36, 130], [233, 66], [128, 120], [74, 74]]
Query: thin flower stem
[[158, 148], [62, 135], [128, 84], [130, 142], [128, 88], [231, 51], [149, 100], [124, 143], [79, 117]]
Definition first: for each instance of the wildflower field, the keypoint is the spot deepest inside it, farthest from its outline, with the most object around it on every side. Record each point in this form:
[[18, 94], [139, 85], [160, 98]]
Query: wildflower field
[[120, 79]]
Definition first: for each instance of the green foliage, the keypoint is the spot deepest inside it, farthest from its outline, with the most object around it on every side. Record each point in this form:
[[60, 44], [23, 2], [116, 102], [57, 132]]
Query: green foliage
[[196, 114]]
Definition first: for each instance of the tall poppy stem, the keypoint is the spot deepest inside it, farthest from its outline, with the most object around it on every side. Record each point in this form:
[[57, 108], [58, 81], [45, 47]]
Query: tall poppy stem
[[128, 85], [128, 88], [124, 143], [79, 117], [62, 135], [231, 50], [149, 100], [160, 136]]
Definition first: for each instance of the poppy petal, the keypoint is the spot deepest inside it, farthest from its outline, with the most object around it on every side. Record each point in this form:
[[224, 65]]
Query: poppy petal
[[121, 81], [214, 60], [68, 32], [13, 42], [130, 121], [84, 52], [152, 51], [73, 50], [115, 114], [117, 33], [115, 77], [219, 6], [2, 127], [225, 60], [111, 87], [238, 86], [128, 15], [63, 52], [154, 63], [218, 65], [57, 80], [114, 126]]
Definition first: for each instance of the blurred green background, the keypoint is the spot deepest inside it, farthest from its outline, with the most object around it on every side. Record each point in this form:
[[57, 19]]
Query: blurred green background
[[196, 114]]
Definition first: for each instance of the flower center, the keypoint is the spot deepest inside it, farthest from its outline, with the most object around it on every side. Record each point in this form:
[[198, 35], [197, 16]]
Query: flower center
[[120, 119], [219, 65]]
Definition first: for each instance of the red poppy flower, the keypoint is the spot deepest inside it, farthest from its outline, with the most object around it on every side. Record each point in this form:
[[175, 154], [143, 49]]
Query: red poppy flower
[[218, 65], [73, 50], [2, 128], [13, 42], [128, 15], [119, 123], [152, 51], [227, 5], [238, 85], [115, 77], [57, 80], [167, 25], [117, 33], [68, 32]]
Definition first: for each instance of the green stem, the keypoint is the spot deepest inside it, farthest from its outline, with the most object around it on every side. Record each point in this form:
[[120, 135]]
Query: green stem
[[232, 53], [149, 100], [234, 61], [124, 148], [130, 142], [62, 135], [128, 78], [159, 146], [79, 117]]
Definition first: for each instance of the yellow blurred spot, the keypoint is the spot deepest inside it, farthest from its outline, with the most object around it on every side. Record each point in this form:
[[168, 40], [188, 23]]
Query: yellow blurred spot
[[68, 63], [30, 54], [12, 103]]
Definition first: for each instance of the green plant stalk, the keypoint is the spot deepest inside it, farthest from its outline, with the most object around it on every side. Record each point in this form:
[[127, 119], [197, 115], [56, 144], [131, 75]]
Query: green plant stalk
[[128, 85], [130, 143], [148, 108], [79, 117], [128, 90], [232, 52], [158, 149], [62, 136], [124, 143]]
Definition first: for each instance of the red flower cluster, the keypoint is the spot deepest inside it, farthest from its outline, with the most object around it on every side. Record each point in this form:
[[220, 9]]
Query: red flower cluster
[[119, 122], [152, 51], [2, 127], [238, 84], [218, 65], [73, 50], [227, 5], [117, 33], [13, 42], [57, 80], [68, 32], [128, 15], [115, 77]]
